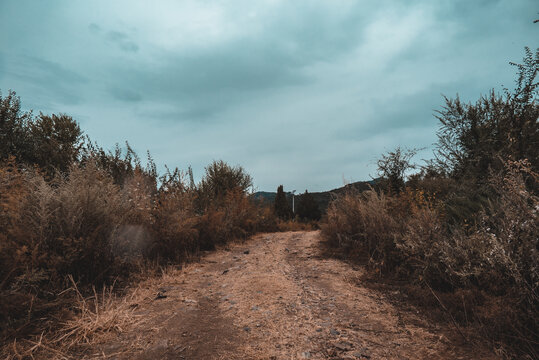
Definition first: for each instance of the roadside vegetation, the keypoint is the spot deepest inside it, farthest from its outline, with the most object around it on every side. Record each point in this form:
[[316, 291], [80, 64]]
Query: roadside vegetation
[[465, 224], [75, 217]]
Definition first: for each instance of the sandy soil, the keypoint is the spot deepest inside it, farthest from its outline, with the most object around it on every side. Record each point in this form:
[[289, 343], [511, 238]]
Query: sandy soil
[[276, 297]]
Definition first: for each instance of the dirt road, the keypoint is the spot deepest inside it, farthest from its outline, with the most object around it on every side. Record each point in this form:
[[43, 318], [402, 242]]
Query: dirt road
[[275, 297]]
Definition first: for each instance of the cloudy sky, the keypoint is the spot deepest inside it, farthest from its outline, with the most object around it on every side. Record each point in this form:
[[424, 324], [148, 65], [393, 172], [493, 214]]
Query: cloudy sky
[[301, 93]]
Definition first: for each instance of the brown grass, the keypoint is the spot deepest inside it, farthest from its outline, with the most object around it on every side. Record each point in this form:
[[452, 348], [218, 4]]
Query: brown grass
[[406, 237], [85, 228]]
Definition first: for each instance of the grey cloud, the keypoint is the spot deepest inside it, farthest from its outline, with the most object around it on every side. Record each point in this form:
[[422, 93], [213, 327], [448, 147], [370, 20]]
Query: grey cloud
[[94, 28], [48, 78], [269, 91], [207, 81], [120, 39], [125, 95]]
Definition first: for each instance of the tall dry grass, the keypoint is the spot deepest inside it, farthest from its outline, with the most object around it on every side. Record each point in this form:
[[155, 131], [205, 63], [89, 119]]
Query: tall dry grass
[[495, 259], [84, 229]]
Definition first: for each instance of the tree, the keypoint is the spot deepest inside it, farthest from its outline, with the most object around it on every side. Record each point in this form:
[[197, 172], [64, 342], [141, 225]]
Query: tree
[[50, 142], [308, 208], [13, 128], [281, 206], [220, 179], [55, 142], [475, 138], [394, 165]]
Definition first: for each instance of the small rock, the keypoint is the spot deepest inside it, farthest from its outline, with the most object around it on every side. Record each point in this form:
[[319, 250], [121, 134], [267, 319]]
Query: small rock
[[246, 252], [160, 295], [306, 355], [334, 332], [224, 272], [362, 353], [255, 308], [247, 328], [344, 346]]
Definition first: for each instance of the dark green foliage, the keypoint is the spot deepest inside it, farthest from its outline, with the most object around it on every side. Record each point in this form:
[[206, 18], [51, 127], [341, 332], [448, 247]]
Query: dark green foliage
[[323, 198], [280, 206], [56, 142], [13, 128], [51, 143], [307, 208]]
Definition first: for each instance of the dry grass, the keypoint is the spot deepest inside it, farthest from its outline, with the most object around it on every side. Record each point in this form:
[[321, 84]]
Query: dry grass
[[88, 226], [406, 236], [96, 319], [292, 225]]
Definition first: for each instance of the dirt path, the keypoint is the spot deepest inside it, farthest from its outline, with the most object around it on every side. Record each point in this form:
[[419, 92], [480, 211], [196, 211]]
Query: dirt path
[[274, 297]]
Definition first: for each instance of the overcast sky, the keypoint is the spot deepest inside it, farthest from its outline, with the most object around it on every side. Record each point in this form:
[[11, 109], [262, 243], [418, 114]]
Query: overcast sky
[[301, 93]]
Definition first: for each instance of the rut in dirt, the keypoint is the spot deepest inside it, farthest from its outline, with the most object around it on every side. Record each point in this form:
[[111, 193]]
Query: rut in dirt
[[276, 297]]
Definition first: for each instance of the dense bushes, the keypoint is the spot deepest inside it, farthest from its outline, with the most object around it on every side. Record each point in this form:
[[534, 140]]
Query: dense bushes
[[468, 220], [69, 209], [407, 236], [84, 225]]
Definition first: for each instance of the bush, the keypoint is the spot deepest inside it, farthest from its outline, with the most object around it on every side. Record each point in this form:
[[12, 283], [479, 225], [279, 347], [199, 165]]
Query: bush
[[364, 226], [408, 236], [308, 209], [281, 208], [88, 227], [218, 180], [174, 221]]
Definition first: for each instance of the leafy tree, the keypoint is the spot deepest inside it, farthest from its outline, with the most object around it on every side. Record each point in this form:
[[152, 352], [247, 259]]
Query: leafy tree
[[50, 142], [308, 208], [281, 207], [55, 142], [13, 127], [476, 138], [394, 165]]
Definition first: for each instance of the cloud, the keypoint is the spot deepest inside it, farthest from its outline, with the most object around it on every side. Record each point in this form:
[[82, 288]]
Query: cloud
[[118, 38], [51, 80], [125, 95], [299, 92], [122, 40]]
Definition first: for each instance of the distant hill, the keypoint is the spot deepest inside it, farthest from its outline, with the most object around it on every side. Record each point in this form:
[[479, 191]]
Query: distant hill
[[322, 198]]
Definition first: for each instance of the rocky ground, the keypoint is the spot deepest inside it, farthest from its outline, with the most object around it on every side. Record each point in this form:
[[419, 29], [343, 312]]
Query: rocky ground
[[276, 297]]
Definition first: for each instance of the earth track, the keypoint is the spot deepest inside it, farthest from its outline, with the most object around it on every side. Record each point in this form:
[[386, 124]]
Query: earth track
[[276, 297]]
